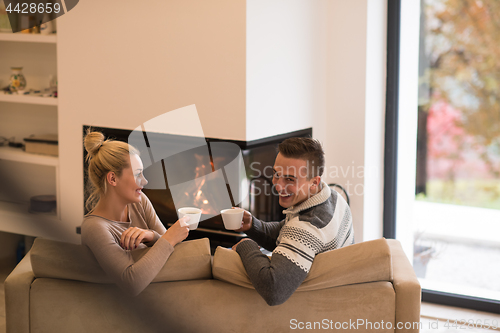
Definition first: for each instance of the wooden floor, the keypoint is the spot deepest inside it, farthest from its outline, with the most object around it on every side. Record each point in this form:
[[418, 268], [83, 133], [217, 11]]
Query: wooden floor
[[439, 318], [433, 317]]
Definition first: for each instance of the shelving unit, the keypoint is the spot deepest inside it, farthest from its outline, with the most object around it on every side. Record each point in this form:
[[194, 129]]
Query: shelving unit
[[37, 225], [18, 155], [30, 38], [14, 216], [26, 99]]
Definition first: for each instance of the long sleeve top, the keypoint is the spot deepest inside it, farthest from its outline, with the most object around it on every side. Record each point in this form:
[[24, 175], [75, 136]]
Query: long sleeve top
[[102, 236], [319, 224]]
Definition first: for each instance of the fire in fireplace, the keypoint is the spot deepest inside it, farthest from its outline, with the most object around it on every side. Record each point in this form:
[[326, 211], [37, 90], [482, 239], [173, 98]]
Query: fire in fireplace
[[212, 176]]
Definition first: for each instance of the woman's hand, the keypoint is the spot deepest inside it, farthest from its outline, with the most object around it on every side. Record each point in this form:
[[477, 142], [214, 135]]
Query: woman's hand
[[178, 231], [133, 236]]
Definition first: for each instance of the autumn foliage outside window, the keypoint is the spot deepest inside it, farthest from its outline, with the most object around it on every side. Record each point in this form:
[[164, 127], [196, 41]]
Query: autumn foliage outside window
[[458, 148]]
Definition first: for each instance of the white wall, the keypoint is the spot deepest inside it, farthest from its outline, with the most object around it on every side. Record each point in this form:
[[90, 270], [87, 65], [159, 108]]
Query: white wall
[[286, 58], [356, 107], [376, 69], [125, 64]]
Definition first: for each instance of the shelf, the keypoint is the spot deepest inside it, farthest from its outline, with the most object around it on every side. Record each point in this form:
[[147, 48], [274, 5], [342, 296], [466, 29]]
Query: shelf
[[26, 99], [28, 38], [18, 155], [15, 218]]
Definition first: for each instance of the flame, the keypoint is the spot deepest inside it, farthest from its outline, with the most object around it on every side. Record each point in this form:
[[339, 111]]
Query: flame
[[200, 198], [198, 195]]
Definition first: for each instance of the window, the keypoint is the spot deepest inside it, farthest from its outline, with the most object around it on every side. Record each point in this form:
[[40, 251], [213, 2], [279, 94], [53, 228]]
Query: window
[[446, 121]]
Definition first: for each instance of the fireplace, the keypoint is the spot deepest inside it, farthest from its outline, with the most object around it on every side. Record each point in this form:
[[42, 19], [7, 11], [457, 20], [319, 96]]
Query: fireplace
[[211, 176]]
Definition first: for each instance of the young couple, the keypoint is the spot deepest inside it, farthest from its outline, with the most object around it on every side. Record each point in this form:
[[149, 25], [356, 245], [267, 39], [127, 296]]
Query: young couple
[[122, 219]]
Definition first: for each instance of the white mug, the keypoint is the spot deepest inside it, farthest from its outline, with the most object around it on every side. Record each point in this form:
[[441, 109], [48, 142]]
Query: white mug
[[232, 218], [193, 213]]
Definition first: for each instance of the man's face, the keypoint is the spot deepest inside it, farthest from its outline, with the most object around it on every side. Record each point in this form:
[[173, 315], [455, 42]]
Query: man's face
[[290, 181], [131, 181]]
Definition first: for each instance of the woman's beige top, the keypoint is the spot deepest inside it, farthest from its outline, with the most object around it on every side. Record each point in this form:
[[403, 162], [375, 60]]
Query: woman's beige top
[[102, 236]]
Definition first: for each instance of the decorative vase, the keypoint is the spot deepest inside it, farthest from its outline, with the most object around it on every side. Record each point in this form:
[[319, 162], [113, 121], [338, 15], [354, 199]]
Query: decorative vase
[[17, 81]]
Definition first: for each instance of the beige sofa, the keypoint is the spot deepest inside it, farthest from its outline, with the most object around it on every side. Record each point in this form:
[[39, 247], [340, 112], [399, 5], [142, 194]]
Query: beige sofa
[[59, 287]]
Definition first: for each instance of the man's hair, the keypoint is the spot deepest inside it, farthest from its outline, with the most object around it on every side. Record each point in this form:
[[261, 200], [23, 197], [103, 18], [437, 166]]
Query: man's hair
[[307, 149]]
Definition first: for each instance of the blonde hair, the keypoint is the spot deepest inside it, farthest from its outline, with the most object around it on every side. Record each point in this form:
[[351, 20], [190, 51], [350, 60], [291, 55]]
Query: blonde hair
[[104, 156]]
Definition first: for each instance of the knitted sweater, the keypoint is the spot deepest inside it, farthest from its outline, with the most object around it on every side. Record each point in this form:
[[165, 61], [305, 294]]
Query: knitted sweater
[[319, 224], [102, 236]]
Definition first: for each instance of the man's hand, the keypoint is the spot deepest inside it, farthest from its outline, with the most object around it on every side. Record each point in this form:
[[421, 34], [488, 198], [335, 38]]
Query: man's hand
[[235, 245], [247, 222], [133, 236]]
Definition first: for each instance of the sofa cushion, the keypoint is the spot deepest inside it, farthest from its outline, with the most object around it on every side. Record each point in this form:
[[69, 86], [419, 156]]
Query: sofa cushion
[[190, 260], [359, 263]]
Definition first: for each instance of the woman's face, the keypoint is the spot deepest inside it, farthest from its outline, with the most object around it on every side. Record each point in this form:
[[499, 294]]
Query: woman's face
[[132, 180]]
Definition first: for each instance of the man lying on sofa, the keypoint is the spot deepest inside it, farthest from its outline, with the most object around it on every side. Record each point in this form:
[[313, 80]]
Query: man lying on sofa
[[317, 220]]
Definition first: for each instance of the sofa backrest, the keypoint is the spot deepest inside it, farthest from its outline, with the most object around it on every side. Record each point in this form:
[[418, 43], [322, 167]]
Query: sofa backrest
[[359, 263], [191, 260]]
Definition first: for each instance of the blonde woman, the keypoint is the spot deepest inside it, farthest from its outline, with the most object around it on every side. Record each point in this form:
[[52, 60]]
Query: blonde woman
[[122, 218]]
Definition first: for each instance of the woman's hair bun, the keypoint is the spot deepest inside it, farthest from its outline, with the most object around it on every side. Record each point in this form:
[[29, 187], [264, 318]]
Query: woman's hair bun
[[92, 142]]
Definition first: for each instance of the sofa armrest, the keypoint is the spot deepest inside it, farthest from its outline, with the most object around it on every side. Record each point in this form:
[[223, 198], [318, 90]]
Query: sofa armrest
[[407, 288], [17, 297]]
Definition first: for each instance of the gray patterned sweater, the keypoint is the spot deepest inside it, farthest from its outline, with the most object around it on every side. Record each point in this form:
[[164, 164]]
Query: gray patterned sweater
[[321, 223]]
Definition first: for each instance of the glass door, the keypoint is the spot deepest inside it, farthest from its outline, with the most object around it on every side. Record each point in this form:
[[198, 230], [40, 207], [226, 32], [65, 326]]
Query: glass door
[[442, 157], [457, 201]]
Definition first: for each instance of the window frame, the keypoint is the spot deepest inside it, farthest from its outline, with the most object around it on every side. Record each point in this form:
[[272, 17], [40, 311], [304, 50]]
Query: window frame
[[391, 165]]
